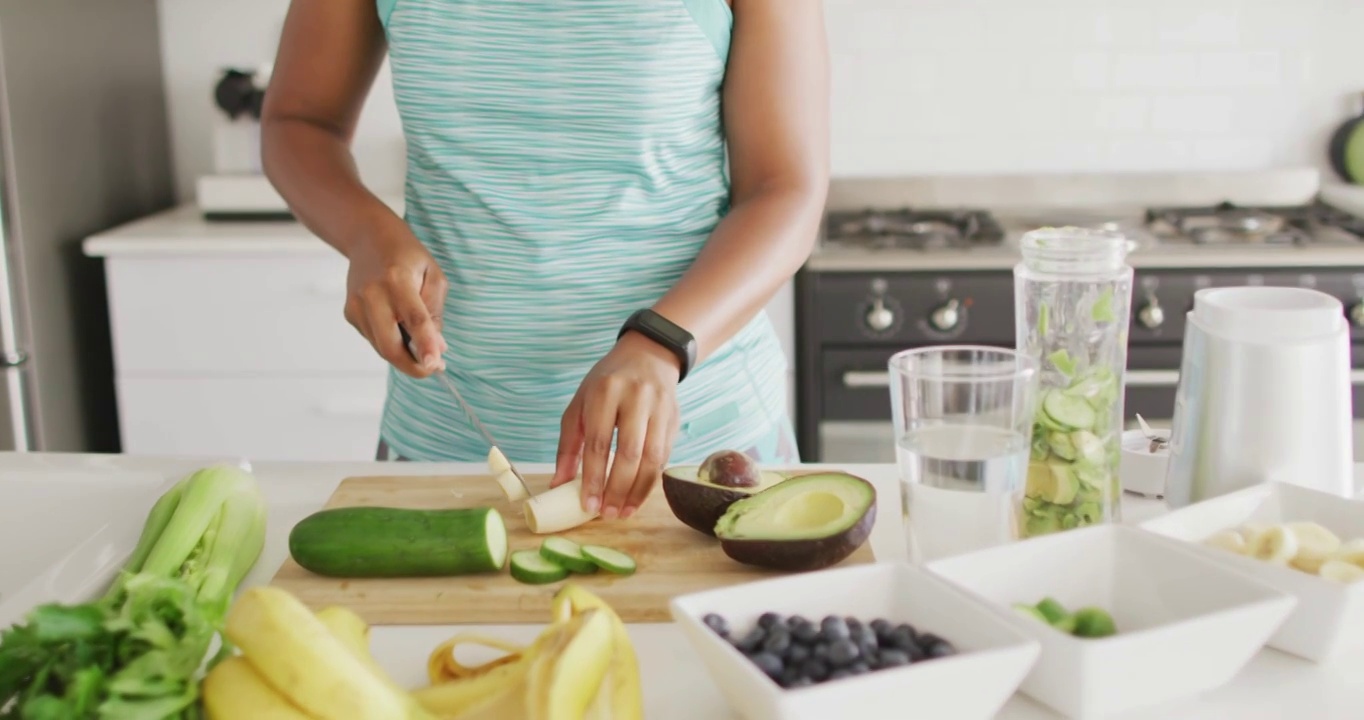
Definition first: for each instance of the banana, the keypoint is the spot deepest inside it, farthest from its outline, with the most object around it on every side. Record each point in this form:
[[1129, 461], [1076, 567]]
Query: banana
[[296, 654], [564, 681], [1341, 571], [233, 690], [1230, 540], [1315, 545], [623, 685], [350, 628], [1249, 531], [450, 698], [1276, 545], [1351, 552]]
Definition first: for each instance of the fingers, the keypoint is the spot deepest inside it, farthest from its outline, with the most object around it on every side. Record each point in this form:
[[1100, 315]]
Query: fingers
[[657, 447], [570, 455], [599, 425], [409, 310], [434, 290], [632, 429]]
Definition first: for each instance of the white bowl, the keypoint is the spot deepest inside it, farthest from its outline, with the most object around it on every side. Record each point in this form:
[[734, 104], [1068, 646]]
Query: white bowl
[[992, 656], [1185, 623], [1329, 618]]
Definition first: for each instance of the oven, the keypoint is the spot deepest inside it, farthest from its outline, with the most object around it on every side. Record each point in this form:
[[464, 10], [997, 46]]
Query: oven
[[849, 322]]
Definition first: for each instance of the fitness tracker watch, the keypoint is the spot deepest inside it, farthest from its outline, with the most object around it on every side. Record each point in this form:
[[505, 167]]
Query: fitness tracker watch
[[665, 332]]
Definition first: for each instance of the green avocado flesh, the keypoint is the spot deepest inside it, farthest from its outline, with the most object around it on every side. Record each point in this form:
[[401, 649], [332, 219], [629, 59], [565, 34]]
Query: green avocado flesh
[[802, 523]]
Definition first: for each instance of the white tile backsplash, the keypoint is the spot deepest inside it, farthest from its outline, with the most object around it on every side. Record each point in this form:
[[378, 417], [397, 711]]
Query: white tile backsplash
[[965, 86]]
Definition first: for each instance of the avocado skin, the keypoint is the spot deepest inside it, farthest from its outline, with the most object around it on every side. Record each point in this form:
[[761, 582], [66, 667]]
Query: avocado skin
[[699, 506], [802, 555]]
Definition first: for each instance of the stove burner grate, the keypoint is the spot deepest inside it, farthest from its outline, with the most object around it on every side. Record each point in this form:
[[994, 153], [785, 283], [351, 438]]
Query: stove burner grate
[[913, 229]]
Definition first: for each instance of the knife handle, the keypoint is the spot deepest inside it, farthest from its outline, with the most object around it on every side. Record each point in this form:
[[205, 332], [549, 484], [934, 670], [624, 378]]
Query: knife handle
[[407, 343]]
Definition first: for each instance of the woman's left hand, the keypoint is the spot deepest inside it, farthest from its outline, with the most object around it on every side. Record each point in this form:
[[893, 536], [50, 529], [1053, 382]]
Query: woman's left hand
[[630, 394]]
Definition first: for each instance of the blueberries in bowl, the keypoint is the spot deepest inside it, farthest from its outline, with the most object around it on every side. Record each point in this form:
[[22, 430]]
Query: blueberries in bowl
[[797, 652]]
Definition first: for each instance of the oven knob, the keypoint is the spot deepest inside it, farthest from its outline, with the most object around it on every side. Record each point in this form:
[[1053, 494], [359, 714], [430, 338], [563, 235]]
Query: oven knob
[[1357, 314], [1151, 315], [945, 316], [880, 317]]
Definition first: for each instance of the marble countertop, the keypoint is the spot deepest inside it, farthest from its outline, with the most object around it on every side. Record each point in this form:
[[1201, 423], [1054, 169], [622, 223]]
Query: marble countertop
[[676, 684]]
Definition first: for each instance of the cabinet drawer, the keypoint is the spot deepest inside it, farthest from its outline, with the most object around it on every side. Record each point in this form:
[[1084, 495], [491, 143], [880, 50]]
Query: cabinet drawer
[[256, 418], [233, 314]]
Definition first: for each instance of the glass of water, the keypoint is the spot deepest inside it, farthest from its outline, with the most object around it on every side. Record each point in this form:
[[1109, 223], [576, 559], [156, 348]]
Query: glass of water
[[963, 425]]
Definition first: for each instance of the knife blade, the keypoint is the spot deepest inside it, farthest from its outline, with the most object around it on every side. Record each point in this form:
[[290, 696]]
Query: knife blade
[[468, 411]]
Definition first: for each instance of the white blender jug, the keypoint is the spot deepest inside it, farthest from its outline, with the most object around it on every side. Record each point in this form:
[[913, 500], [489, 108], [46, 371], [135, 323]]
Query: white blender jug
[[1264, 394]]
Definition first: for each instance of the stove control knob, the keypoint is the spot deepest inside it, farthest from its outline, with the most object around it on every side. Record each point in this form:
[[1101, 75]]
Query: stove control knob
[[1151, 315], [946, 316], [1357, 314], [880, 317]]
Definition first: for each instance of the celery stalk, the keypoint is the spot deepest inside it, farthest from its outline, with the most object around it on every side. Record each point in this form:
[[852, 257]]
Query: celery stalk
[[234, 548], [204, 496]]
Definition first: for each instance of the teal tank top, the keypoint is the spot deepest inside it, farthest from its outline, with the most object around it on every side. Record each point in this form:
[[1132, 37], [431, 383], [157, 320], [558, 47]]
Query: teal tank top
[[566, 163]]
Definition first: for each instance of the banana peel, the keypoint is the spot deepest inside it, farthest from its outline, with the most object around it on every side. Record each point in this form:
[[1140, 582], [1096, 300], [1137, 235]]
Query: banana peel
[[349, 628], [233, 690], [442, 665], [622, 683]]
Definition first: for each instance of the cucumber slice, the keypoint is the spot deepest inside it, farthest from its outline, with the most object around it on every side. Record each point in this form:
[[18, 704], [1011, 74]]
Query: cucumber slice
[[565, 552], [532, 568], [1069, 410], [613, 561]]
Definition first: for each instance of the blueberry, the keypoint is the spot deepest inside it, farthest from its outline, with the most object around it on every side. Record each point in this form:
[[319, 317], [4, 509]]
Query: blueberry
[[926, 639], [716, 624], [839, 674], [833, 628], [870, 654], [768, 663], [859, 668], [902, 638], [907, 628], [864, 636], [881, 626], [820, 651], [801, 681], [751, 640], [789, 675], [768, 619], [777, 640], [842, 652], [815, 670], [804, 631], [939, 648], [893, 658], [794, 620], [797, 653]]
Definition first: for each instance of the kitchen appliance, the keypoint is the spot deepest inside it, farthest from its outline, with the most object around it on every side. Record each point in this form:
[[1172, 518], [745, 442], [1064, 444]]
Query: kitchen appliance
[[238, 189], [1264, 394], [1346, 148], [84, 146], [911, 262], [672, 560]]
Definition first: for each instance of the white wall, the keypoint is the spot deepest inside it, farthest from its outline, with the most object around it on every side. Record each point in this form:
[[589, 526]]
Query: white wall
[[952, 86]]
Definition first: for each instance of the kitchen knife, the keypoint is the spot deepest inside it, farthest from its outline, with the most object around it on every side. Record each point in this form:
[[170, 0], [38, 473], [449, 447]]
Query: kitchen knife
[[468, 411]]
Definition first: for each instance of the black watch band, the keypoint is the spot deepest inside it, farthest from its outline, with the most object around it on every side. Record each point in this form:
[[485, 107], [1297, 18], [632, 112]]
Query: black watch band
[[665, 332]]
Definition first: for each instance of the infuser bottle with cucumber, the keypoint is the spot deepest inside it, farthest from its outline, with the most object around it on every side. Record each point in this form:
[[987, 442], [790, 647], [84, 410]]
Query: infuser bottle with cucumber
[[1072, 291]]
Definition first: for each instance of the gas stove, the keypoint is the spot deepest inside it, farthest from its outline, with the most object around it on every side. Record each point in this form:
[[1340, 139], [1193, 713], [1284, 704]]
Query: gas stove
[[919, 263]]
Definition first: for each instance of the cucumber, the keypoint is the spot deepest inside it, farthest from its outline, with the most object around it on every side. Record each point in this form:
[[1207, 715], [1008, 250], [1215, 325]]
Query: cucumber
[[610, 560], [532, 568], [361, 542], [565, 552], [1068, 410]]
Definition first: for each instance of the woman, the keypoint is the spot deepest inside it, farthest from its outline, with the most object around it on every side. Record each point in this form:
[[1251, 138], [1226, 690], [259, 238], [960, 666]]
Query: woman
[[602, 196]]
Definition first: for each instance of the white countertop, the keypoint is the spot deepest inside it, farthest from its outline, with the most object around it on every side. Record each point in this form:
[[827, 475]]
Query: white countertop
[[676, 686]]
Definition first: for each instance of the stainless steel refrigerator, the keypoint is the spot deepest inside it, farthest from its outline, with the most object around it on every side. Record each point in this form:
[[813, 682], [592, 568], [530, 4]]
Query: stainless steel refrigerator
[[84, 145]]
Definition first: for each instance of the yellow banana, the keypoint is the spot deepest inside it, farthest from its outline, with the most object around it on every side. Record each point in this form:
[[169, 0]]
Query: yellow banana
[[627, 695], [298, 655], [233, 690], [350, 628]]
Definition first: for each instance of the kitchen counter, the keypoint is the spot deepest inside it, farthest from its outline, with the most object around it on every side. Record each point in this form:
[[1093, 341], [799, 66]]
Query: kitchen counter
[[676, 684]]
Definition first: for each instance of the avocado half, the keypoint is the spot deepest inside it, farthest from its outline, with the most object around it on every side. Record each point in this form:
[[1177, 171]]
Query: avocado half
[[699, 494], [807, 522]]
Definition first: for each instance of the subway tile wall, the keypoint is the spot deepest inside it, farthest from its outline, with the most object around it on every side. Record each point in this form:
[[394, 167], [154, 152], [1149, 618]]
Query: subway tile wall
[[964, 86]]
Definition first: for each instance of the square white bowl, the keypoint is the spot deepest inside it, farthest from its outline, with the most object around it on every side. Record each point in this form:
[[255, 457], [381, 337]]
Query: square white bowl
[[1185, 624], [992, 656], [1329, 618]]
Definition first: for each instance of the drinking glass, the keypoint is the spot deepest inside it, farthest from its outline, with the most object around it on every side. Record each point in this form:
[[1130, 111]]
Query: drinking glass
[[963, 426]]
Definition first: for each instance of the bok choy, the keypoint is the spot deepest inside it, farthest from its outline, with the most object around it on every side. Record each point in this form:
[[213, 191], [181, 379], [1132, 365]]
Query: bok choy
[[140, 650]]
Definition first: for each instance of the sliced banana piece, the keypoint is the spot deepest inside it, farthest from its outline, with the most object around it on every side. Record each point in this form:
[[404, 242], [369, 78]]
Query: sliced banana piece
[[1341, 571], [1250, 530], [1315, 545], [497, 462], [1351, 552], [1276, 545], [1230, 540]]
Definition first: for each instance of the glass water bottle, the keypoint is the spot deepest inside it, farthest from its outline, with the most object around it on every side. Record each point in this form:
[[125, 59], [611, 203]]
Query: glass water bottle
[[1072, 293]]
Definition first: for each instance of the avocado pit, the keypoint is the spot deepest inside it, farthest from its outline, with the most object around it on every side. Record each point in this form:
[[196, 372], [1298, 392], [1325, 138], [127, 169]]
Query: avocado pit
[[699, 494]]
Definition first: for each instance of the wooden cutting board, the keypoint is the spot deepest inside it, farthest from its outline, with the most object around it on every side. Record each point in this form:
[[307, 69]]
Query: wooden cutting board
[[673, 560]]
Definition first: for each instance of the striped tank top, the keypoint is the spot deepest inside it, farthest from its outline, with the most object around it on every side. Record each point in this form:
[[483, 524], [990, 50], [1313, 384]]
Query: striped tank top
[[566, 163]]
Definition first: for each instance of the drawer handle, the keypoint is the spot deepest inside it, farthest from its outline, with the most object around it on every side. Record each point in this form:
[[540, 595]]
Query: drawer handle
[[1151, 378], [351, 408], [865, 378]]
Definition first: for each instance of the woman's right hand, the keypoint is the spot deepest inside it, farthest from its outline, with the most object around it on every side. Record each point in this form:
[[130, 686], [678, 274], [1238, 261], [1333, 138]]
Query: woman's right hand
[[393, 279]]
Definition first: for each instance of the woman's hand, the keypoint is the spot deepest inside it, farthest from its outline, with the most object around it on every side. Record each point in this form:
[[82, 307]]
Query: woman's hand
[[631, 394], [392, 280]]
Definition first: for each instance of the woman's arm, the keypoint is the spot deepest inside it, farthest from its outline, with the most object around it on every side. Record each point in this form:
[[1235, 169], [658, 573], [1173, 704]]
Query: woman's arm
[[329, 54], [776, 115]]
